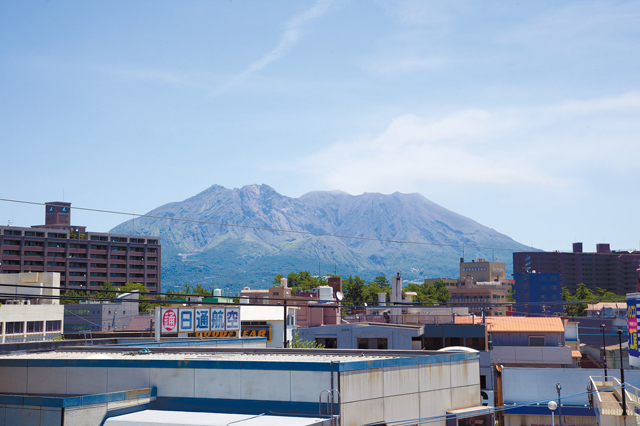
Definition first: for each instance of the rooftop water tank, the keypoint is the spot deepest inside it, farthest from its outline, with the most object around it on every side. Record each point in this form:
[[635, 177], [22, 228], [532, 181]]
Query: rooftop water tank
[[325, 293], [217, 292]]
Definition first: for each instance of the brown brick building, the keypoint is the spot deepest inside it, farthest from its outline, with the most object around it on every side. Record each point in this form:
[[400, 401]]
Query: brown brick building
[[83, 259]]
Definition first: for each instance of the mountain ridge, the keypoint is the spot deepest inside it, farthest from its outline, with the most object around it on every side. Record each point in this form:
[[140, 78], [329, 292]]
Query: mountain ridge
[[252, 233]]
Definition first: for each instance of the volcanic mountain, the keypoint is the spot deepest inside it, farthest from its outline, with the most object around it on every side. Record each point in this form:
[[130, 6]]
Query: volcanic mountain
[[231, 238]]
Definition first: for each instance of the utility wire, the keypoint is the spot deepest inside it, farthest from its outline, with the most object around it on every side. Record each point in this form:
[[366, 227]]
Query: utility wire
[[317, 234]]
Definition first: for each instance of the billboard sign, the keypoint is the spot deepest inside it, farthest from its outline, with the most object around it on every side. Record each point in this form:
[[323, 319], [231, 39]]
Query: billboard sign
[[233, 318], [215, 322], [169, 320], [218, 317], [203, 319], [632, 326]]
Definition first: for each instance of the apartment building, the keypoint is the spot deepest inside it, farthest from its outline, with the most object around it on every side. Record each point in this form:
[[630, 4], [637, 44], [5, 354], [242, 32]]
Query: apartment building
[[85, 260], [482, 271], [488, 298], [29, 307], [615, 271]]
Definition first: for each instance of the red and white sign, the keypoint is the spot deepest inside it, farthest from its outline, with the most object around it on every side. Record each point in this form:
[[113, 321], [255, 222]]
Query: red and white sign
[[169, 320]]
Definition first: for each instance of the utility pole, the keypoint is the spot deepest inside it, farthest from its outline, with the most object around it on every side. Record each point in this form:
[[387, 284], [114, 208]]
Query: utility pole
[[284, 335], [624, 399], [558, 388]]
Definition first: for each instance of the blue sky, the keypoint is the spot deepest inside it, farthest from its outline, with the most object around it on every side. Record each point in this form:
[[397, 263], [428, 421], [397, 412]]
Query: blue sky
[[524, 116]]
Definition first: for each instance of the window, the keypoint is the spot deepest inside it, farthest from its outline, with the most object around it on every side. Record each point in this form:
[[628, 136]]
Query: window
[[536, 340], [328, 342], [34, 326], [14, 328], [374, 343]]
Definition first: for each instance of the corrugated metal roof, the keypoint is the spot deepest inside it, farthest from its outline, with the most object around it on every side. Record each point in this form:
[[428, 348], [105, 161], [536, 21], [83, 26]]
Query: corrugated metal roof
[[515, 324], [526, 324]]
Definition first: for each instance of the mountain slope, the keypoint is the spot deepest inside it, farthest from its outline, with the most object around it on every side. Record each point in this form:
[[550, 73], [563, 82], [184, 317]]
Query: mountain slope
[[252, 254]]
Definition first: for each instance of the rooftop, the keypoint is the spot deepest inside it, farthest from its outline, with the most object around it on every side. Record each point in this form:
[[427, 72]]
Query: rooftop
[[214, 355], [515, 324]]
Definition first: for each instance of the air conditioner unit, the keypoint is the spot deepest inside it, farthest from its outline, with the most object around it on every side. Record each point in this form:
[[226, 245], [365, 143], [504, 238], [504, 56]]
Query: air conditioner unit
[[487, 398]]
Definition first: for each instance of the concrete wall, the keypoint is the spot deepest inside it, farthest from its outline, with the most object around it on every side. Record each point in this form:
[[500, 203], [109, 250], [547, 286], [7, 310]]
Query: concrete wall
[[25, 313], [522, 339], [37, 281], [347, 335], [532, 355], [387, 389], [70, 411], [408, 392]]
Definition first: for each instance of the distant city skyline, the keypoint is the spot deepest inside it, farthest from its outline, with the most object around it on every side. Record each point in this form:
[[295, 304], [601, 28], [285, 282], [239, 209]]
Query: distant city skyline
[[523, 117]]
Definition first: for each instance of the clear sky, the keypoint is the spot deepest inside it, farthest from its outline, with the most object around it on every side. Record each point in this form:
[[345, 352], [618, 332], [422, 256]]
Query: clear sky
[[524, 116]]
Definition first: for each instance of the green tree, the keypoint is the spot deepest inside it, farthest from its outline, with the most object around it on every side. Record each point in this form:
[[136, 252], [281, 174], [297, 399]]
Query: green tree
[[301, 281], [430, 293], [140, 288], [577, 303], [66, 297], [354, 288], [307, 344]]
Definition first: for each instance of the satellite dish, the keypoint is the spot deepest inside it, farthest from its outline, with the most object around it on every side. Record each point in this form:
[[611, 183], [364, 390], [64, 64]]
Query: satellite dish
[[339, 295]]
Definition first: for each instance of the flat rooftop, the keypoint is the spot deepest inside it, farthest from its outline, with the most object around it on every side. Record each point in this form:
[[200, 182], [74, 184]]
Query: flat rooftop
[[187, 355], [184, 418]]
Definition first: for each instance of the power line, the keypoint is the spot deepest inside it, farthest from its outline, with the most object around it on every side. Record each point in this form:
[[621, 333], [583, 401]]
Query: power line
[[317, 234]]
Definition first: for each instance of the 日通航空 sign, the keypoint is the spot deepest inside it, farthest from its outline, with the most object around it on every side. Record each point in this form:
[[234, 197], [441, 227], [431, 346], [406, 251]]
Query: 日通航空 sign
[[632, 327], [185, 320]]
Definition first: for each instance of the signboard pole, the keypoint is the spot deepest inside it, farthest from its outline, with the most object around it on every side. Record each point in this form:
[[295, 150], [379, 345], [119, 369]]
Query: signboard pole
[[284, 336], [158, 322]]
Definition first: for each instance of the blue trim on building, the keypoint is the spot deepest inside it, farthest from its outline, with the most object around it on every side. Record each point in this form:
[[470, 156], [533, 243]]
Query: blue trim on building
[[189, 342], [239, 406], [542, 410], [74, 401], [140, 362]]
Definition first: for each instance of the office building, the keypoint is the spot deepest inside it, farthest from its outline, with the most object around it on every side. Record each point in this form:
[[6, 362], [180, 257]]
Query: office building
[[614, 271], [538, 293], [482, 298], [102, 316], [29, 307], [482, 271], [84, 260]]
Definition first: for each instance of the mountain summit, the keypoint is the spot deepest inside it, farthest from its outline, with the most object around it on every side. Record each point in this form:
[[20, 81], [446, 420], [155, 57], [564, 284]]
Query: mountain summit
[[245, 236]]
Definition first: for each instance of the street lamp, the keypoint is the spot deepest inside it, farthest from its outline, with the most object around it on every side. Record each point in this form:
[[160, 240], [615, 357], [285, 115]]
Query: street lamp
[[604, 352], [552, 406]]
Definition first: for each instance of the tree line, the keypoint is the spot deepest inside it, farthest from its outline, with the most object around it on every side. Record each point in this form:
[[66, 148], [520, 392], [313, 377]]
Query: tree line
[[357, 290]]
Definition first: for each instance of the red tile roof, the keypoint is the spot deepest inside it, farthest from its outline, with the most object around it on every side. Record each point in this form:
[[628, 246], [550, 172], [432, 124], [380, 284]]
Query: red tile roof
[[515, 324], [140, 323]]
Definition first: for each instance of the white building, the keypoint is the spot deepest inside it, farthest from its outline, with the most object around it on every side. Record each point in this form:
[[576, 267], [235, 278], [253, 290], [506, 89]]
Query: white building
[[30, 309]]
